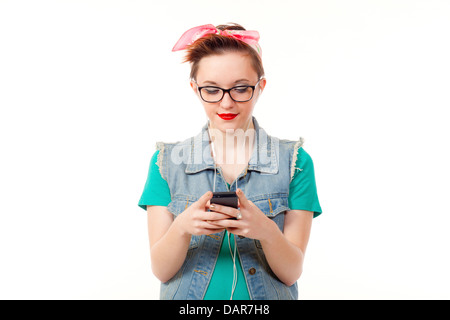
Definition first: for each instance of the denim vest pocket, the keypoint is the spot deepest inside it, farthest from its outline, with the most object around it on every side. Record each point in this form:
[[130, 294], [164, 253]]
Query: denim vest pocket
[[271, 204], [178, 204]]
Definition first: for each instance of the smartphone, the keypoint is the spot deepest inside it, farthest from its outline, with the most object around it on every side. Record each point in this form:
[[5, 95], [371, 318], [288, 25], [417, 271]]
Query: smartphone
[[229, 199]]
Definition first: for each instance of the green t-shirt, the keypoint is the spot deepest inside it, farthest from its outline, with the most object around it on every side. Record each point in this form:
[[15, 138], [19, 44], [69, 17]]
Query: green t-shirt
[[302, 196]]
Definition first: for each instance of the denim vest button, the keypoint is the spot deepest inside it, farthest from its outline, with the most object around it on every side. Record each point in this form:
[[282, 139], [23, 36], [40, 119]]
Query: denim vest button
[[252, 271]]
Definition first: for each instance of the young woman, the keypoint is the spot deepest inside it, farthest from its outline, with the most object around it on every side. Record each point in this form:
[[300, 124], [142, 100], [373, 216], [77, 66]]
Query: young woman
[[201, 250]]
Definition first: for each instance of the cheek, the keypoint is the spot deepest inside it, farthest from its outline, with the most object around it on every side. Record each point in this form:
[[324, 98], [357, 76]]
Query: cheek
[[210, 108], [248, 107]]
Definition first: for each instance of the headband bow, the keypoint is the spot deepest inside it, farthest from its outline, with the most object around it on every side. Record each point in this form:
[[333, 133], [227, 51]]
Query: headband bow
[[190, 36]]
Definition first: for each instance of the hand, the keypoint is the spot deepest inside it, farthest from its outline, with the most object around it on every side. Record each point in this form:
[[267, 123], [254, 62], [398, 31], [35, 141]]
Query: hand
[[253, 223], [196, 220]]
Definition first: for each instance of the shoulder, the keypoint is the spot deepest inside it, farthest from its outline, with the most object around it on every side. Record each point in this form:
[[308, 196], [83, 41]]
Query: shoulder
[[161, 146], [299, 159], [154, 156], [294, 145], [167, 148], [303, 157]]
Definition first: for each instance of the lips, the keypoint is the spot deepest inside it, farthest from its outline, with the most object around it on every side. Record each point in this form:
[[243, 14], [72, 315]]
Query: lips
[[227, 116]]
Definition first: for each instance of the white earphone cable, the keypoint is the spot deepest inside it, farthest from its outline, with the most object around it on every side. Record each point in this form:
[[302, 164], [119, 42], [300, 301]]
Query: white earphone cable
[[233, 254]]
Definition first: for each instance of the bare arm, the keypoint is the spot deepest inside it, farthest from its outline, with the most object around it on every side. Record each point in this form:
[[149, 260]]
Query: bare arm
[[168, 244], [288, 248]]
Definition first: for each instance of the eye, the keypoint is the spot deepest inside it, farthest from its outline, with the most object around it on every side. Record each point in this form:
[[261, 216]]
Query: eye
[[241, 89], [211, 90]]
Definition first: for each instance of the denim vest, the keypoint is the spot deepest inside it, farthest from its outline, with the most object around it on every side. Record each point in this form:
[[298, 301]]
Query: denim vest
[[188, 169]]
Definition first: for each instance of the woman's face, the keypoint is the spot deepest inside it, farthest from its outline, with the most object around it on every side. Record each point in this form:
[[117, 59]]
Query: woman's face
[[226, 71]]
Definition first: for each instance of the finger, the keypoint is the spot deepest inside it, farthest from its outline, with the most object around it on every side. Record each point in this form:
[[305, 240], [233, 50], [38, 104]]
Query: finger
[[208, 225], [212, 216], [232, 212], [203, 200], [242, 198], [226, 223]]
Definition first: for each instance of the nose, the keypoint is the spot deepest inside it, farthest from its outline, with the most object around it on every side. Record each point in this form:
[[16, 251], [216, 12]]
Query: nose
[[226, 101]]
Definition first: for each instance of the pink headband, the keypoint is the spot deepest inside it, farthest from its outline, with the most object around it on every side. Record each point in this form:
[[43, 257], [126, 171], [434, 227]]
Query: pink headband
[[190, 36]]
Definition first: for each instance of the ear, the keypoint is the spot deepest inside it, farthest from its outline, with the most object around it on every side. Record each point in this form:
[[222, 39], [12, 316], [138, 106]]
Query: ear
[[262, 85], [194, 86]]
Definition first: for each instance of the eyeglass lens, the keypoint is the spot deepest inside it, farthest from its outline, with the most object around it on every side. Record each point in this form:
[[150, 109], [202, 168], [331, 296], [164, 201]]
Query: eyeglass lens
[[238, 94]]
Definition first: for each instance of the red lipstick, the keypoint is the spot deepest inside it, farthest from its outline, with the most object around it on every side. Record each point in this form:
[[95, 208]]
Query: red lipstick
[[227, 116]]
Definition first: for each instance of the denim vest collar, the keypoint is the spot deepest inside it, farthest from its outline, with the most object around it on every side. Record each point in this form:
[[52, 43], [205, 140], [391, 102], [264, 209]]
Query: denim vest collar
[[263, 157]]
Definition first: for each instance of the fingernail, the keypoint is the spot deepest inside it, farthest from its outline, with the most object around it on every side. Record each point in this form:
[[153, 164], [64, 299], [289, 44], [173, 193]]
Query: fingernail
[[212, 206]]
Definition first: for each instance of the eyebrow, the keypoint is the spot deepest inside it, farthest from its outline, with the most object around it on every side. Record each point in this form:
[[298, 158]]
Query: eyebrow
[[216, 84]]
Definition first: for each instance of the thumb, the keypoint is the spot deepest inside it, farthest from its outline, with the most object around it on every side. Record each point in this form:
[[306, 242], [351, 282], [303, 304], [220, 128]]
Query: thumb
[[242, 198], [201, 202]]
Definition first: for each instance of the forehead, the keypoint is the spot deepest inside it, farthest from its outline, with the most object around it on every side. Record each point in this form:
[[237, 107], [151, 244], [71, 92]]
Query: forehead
[[226, 69]]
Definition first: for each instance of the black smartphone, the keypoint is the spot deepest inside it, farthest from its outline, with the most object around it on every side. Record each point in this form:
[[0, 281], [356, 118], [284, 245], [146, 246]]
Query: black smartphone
[[229, 199]]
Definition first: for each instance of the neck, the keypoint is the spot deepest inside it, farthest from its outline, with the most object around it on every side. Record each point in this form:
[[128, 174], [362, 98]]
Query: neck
[[233, 146]]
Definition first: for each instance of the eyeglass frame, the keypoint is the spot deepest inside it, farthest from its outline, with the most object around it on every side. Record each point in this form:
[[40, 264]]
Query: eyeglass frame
[[226, 91]]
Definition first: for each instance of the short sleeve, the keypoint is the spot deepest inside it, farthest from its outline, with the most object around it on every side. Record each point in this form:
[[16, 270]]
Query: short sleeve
[[156, 191], [302, 189]]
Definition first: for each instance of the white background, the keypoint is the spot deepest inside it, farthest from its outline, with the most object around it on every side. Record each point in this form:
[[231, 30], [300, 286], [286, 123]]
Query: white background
[[88, 87]]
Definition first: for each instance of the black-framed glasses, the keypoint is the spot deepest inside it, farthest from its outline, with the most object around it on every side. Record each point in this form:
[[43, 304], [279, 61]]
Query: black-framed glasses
[[213, 94]]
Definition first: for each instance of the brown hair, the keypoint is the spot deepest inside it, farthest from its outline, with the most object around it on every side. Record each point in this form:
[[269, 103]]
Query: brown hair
[[215, 44]]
